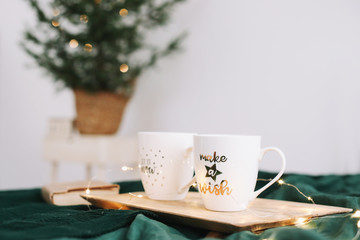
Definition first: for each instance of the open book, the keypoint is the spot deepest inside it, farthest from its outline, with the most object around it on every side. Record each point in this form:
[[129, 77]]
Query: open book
[[68, 193]]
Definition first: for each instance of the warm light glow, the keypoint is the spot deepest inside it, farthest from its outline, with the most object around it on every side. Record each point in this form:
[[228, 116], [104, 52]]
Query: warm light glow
[[356, 214], [56, 12], [87, 191], [139, 196], [282, 182], [124, 68], [97, 1], [125, 168], [88, 47], [301, 221], [73, 43], [84, 18], [55, 23], [123, 12]]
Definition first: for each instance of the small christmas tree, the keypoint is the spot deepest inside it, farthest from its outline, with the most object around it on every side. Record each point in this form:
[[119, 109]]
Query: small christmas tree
[[92, 44]]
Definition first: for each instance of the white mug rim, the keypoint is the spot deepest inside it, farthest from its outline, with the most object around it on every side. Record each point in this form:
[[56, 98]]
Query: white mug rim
[[225, 136], [165, 133]]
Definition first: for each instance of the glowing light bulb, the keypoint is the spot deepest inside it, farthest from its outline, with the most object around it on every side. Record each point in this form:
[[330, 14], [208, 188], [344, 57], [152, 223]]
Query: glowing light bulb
[[126, 168], [84, 18], [281, 182], [55, 23], [73, 43], [88, 47], [300, 221], [356, 214], [56, 12], [309, 198], [124, 68], [123, 12]]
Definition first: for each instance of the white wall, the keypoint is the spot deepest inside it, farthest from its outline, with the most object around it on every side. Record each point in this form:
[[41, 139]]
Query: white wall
[[286, 70]]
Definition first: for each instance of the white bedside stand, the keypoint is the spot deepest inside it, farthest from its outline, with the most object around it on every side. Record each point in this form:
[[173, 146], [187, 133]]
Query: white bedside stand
[[63, 144]]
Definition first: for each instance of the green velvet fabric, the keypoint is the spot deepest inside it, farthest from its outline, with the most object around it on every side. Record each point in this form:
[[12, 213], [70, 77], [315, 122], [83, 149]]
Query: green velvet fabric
[[24, 215]]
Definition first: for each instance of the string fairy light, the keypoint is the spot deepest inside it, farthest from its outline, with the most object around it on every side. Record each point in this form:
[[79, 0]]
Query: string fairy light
[[55, 23], [88, 47], [84, 18], [356, 214], [136, 195], [126, 168], [73, 43], [87, 191], [56, 12], [123, 12], [282, 182], [358, 231], [301, 221], [298, 221], [124, 68]]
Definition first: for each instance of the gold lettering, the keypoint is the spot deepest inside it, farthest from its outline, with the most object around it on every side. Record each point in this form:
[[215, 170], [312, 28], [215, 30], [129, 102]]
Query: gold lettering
[[215, 158], [216, 189]]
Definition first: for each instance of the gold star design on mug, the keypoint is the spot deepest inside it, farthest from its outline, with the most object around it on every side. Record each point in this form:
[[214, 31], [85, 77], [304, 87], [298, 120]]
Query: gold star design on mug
[[212, 172]]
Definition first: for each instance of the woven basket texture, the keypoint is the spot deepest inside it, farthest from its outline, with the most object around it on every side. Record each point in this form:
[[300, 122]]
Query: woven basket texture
[[99, 113]]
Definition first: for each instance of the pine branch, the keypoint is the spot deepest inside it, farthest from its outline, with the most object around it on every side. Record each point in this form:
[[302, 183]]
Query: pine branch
[[113, 41]]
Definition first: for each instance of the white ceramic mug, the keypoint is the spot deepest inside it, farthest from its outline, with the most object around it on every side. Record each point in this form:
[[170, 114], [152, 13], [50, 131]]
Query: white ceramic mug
[[226, 169], [166, 164]]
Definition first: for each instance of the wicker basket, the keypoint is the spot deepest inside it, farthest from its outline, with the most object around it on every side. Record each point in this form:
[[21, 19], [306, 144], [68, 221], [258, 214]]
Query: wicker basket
[[99, 113]]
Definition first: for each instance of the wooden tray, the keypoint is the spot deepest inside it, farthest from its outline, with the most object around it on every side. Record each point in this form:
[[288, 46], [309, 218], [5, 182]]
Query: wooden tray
[[261, 213]]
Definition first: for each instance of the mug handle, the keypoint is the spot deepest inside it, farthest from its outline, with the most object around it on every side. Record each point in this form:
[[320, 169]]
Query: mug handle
[[187, 154], [262, 153], [186, 187]]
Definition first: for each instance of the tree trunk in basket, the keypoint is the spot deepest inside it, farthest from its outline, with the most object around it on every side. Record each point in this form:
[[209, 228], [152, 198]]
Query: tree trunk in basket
[[99, 113]]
